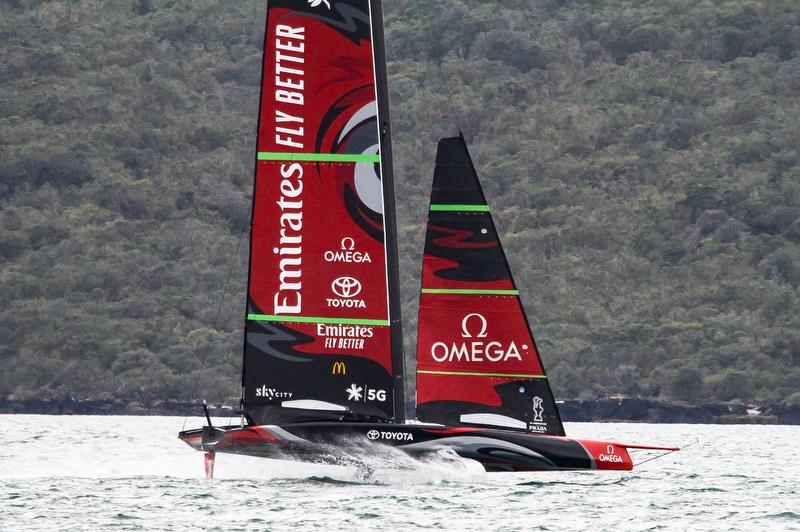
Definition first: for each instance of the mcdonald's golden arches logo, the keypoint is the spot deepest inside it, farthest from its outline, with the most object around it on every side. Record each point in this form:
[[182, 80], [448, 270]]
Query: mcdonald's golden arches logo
[[339, 369]]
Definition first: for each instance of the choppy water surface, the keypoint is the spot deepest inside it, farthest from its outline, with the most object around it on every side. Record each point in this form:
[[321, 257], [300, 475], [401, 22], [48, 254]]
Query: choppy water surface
[[132, 473]]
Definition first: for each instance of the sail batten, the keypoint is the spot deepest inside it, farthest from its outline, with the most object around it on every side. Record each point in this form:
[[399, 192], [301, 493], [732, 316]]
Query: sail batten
[[480, 374], [458, 207], [316, 319], [320, 157], [473, 291]]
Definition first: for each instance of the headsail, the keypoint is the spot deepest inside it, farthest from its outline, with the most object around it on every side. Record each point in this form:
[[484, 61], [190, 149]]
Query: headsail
[[322, 338], [477, 363]]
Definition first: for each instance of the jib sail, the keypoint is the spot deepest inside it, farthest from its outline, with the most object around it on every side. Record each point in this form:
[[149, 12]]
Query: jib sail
[[322, 337], [477, 363]]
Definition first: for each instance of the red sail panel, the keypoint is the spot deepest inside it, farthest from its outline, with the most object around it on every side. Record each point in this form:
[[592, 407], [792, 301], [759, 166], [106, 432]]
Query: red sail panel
[[319, 331], [315, 251], [477, 362], [317, 77], [485, 334]]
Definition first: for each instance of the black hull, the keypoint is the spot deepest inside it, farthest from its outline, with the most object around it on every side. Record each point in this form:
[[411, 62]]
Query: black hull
[[340, 443]]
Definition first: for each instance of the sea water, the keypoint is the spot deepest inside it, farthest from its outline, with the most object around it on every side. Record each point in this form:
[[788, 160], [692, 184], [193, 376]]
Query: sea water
[[132, 473]]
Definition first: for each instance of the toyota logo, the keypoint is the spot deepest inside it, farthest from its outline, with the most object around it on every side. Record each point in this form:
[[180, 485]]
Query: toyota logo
[[346, 287], [373, 434]]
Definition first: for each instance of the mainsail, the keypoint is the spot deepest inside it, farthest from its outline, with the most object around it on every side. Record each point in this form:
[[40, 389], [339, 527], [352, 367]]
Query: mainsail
[[322, 335], [477, 362]]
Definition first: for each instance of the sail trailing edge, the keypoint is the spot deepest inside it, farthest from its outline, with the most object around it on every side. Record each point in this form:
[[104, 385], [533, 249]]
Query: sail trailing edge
[[322, 321], [477, 362]]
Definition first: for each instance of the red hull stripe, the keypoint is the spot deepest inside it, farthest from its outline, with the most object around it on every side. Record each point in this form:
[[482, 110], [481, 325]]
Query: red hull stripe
[[452, 430], [316, 319], [459, 207], [479, 374], [470, 291], [323, 157]]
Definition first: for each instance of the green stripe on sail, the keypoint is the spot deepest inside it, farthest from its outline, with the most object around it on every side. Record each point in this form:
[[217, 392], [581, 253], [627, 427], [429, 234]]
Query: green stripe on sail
[[314, 319], [476, 374], [319, 157], [458, 207], [470, 291]]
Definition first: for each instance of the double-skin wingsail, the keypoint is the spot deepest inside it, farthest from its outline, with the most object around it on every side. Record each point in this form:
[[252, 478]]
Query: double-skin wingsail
[[322, 337], [477, 362]]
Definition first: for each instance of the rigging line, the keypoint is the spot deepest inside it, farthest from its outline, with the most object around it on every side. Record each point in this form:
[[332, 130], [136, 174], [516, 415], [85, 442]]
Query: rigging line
[[216, 319], [653, 458], [438, 66], [696, 440], [453, 109]]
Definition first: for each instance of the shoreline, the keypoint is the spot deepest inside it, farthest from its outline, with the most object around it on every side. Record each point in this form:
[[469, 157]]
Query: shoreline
[[593, 410]]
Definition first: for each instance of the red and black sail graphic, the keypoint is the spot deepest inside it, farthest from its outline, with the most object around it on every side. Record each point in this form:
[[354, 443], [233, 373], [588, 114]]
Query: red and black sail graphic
[[477, 362], [322, 329]]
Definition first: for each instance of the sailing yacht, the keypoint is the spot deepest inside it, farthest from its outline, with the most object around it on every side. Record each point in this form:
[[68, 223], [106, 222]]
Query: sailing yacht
[[323, 368]]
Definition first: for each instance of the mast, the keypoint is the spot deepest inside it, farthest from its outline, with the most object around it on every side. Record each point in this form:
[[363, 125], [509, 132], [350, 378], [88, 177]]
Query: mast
[[322, 328], [252, 214], [390, 216]]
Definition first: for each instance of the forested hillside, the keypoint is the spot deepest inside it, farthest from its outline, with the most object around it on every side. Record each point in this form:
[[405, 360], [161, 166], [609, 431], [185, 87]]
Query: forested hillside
[[642, 160]]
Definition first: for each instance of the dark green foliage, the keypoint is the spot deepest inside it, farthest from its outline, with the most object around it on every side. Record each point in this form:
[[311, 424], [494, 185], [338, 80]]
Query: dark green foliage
[[641, 158]]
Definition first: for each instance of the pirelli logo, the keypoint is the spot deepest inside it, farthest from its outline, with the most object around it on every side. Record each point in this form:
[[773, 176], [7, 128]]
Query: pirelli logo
[[338, 368]]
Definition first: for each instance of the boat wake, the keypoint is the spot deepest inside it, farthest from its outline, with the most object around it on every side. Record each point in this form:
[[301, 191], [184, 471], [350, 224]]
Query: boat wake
[[385, 465], [346, 464]]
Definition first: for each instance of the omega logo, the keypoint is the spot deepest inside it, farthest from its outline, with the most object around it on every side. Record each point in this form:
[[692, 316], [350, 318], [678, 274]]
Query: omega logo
[[465, 331]]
